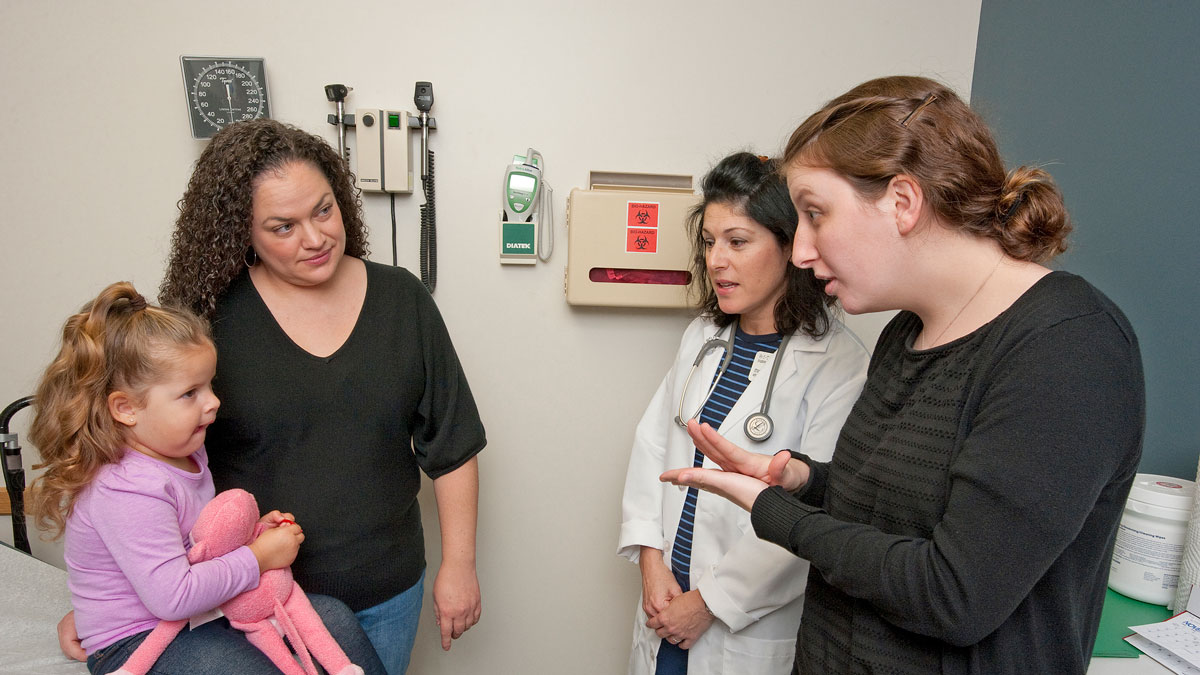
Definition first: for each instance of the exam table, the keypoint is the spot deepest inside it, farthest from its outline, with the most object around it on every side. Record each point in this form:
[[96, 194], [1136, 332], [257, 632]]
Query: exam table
[[33, 597]]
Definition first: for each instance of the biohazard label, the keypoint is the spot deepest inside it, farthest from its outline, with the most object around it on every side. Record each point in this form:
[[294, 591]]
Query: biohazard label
[[641, 227], [641, 240], [642, 214]]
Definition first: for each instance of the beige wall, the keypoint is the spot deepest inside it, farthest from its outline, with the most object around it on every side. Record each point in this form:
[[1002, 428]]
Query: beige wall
[[96, 151]]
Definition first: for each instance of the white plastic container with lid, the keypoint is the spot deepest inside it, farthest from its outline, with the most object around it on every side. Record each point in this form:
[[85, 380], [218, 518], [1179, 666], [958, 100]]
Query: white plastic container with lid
[[1150, 538]]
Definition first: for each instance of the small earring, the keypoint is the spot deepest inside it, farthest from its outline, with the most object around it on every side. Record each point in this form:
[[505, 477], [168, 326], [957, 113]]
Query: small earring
[[250, 257]]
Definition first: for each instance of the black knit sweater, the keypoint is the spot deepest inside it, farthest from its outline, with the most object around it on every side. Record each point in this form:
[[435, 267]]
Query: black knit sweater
[[966, 521], [340, 440]]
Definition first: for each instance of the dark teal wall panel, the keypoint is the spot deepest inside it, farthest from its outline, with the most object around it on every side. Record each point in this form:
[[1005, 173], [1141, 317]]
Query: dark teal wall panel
[[1106, 95]]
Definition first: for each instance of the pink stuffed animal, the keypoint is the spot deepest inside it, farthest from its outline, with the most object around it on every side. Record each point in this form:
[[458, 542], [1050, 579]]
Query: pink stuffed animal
[[230, 520]]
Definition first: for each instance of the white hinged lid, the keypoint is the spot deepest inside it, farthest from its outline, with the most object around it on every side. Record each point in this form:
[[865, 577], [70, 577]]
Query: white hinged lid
[[1174, 493]]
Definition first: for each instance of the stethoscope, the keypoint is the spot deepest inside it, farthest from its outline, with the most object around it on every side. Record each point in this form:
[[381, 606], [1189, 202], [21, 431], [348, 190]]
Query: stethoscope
[[758, 426]]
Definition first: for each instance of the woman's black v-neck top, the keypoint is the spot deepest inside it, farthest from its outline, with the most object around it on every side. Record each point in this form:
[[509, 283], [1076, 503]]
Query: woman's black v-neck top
[[338, 440]]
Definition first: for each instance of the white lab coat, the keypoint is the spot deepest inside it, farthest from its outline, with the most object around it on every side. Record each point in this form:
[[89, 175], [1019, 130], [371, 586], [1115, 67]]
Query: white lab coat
[[754, 588]]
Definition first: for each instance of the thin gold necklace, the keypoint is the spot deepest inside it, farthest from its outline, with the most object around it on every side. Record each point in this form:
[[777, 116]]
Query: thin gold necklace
[[930, 345]]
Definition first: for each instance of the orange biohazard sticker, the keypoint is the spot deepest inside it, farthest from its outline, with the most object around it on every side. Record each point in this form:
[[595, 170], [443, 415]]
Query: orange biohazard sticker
[[641, 240], [641, 227], [642, 214]]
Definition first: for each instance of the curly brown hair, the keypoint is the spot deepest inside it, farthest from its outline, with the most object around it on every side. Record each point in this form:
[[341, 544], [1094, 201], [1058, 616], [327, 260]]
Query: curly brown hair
[[212, 234]]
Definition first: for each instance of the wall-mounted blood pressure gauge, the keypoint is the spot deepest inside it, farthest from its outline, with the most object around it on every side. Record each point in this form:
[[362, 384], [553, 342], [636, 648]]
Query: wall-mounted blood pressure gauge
[[223, 91]]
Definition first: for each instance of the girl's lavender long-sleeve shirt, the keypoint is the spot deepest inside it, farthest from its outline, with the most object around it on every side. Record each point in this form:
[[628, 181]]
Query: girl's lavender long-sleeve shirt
[[126, 550]]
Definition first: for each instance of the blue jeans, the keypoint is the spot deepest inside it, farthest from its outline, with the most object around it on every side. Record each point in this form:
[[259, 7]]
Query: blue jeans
[[392, 626], [216, 648]]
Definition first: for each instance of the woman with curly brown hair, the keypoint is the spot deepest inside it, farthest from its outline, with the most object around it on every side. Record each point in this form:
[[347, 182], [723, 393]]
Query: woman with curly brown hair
[[207, 253], [339, 380], [966, 521]]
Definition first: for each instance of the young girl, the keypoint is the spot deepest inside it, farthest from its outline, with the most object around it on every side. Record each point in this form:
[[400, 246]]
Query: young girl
[[121, 418]]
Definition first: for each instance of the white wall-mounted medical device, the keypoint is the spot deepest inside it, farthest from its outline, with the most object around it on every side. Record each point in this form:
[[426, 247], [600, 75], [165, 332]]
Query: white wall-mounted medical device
[[383, 160], [627, 241], [383, 151], [526, 211]]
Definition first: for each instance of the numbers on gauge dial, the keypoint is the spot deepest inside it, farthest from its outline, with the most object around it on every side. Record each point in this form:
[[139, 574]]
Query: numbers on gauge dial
[[224, 93]]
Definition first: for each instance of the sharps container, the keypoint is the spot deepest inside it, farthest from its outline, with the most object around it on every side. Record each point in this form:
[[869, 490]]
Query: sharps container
[[1149, 548]]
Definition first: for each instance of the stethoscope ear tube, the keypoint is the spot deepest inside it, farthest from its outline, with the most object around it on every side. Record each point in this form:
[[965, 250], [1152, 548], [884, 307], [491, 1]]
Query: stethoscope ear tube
[[709, 344], [759, 426]]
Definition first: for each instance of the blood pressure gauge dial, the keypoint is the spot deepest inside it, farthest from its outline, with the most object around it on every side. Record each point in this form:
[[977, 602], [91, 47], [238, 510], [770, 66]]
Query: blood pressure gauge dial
[[223, 91]]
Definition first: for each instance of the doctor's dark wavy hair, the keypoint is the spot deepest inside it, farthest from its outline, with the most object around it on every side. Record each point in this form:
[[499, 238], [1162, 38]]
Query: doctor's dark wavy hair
[[752, 185], [212, 233]]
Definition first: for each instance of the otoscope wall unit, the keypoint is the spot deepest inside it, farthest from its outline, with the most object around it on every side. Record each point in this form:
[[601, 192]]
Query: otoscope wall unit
[[383, 160], [627, 241], [384, 151]]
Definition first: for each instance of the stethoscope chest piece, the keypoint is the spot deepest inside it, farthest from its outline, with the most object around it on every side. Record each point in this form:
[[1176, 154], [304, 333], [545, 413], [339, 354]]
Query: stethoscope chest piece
[[759, 427]]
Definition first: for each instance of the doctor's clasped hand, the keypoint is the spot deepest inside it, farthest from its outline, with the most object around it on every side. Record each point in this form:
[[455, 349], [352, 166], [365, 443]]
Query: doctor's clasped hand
[[683, 621]]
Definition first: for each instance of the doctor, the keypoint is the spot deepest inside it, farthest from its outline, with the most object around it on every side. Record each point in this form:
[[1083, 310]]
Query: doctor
[[768, 366]]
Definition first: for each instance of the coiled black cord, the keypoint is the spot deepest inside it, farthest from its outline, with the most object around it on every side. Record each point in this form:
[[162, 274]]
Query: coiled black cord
[[395, 262], [429, 230], [14, 474]]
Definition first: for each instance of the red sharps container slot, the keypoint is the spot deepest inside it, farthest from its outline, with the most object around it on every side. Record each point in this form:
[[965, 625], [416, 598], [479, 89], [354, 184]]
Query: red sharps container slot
[[612, 275]]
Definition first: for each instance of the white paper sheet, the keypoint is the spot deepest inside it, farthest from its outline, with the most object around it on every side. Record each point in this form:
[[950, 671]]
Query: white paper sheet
[[1175, 643]]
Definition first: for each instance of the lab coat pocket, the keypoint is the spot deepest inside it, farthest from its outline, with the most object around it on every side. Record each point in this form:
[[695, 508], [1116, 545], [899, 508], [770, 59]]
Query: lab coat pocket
[[644, 652], [743, 654]]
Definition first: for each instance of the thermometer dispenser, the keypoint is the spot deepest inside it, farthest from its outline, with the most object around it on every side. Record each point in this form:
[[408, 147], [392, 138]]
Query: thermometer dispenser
[[627, 241], [383, 151], [525, 207]]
